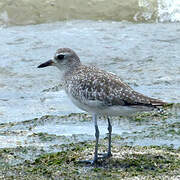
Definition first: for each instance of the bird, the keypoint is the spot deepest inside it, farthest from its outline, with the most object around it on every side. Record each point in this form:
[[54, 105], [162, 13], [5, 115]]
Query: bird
[[99, 93]]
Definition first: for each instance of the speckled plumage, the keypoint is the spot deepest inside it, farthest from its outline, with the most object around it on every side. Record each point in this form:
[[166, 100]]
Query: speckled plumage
[[93, 84], [88, 83]]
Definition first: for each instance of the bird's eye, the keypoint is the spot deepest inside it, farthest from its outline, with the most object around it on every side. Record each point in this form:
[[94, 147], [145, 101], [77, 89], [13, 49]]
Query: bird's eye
[[60, 56]]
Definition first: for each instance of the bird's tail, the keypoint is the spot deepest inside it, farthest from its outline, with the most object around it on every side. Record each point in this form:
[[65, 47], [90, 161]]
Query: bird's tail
[[148, 101], [157, 102]]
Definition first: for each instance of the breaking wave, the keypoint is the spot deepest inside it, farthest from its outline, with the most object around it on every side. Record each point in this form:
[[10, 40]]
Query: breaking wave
[[22, 12]]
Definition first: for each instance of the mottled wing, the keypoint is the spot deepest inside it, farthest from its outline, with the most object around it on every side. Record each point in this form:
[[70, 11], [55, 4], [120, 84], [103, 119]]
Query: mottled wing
[[91, 83]]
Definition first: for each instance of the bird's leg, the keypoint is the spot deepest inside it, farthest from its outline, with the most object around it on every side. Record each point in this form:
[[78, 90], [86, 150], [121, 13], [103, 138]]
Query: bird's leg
[[101, 156], [95, 160], [97, 138], [109, 137], [108, 154]]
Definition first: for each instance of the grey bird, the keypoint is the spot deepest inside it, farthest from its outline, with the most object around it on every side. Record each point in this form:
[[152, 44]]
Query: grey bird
[[98, 92]]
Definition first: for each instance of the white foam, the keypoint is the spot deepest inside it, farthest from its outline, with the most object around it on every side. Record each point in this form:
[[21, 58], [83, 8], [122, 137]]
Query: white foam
[[169, 10]]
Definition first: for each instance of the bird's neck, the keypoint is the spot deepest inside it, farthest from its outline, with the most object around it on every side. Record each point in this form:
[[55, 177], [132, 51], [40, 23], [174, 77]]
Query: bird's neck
[[69, 71]]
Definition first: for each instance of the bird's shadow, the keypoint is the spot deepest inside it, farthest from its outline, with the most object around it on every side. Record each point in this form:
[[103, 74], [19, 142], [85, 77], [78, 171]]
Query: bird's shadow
[[138, 162]]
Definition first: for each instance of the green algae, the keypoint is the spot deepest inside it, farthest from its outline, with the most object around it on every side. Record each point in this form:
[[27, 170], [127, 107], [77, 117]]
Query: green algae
[[127, 162], [44, 137], [155, 115]]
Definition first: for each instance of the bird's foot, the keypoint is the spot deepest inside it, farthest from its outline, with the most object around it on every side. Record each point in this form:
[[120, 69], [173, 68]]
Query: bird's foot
[[88, 162], [101, 156]]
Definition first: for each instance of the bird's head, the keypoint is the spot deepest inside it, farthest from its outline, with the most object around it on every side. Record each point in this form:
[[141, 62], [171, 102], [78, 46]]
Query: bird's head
[[64, 59]]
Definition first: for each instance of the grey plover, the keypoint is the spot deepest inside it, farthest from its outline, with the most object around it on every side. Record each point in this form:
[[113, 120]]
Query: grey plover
[[98, 92]]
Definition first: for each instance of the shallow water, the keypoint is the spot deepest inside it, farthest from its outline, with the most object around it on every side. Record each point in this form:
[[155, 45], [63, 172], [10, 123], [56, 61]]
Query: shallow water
[[146, 56]]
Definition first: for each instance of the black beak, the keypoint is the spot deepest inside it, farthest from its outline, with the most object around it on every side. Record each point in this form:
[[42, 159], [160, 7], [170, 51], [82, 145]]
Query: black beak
[[48, 63]]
